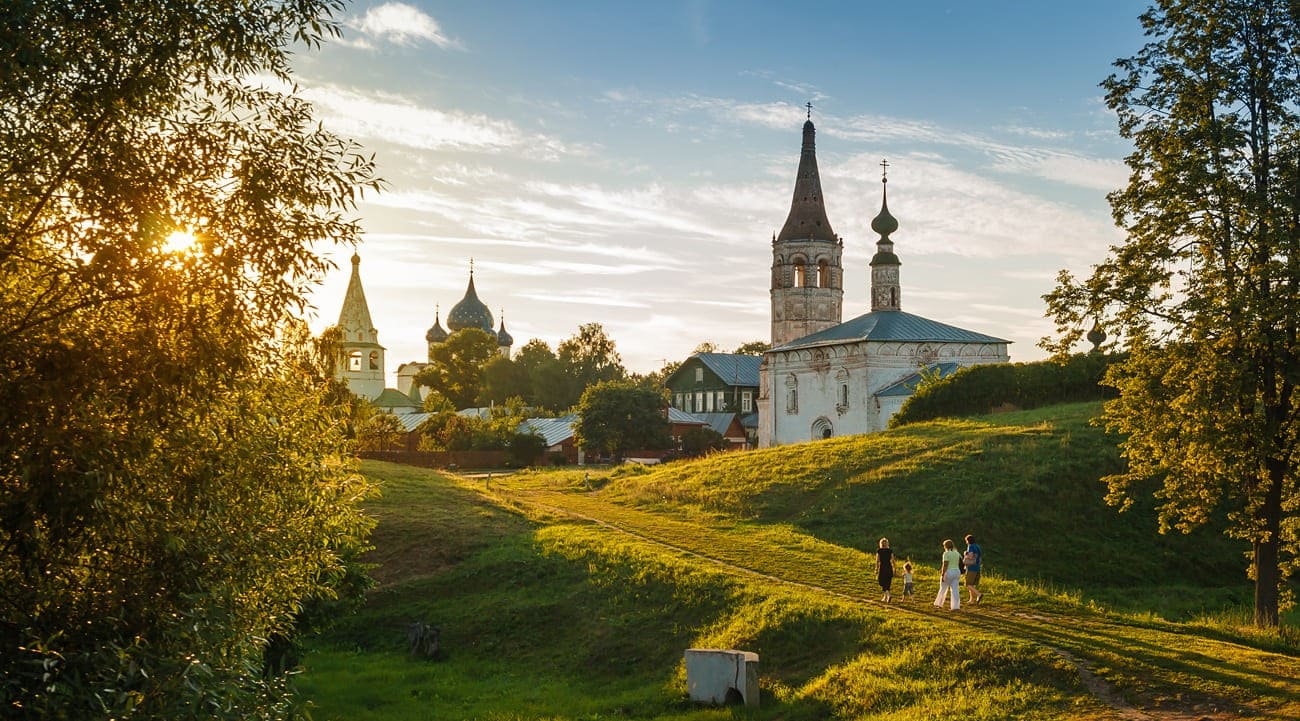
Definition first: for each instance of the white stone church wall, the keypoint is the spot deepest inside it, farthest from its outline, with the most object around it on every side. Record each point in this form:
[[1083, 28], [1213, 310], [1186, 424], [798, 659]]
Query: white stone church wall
[[819, 373]]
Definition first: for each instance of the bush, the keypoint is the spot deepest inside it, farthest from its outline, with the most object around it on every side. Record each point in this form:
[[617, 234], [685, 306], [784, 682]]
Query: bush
[[982, 389]]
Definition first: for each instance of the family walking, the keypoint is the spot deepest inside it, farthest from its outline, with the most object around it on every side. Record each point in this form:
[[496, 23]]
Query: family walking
[[952, 565], [950, 571]]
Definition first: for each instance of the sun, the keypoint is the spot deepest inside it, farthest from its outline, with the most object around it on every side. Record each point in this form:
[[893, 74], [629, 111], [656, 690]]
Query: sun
[[179, 241]]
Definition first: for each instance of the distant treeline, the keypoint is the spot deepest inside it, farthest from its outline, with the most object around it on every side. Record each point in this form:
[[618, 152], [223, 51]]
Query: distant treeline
[[985, 388]]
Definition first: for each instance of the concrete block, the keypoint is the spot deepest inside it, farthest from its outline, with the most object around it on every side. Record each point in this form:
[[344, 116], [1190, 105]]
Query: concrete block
[[720, 676]]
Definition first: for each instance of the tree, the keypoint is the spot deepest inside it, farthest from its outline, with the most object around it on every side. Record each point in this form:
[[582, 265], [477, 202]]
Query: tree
[[590, 357], [504, 378], [615, 416], [700, 440], [456, 365], [380, 432], [707, 346], [174, 482], [1205, 290], [754, 347]]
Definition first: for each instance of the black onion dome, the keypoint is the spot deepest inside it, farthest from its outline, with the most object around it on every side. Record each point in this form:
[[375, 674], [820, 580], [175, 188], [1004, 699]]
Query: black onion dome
[[504, 339], [470, 312], [884, 223], [436, 334]]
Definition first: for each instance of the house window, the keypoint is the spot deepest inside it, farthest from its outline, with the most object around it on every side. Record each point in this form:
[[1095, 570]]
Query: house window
[[678, 402], [747, 401], [699, 403], [708, 401], [722, 400], [699, 375]]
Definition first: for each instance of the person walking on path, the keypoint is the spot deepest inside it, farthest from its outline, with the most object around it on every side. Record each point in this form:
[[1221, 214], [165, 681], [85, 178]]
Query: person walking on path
[[949, 577], [885, 568], [973, 559], [908, 585]]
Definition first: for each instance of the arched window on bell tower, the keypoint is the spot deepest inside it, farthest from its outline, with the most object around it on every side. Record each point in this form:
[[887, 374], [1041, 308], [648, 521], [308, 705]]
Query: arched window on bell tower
[[823, 274]]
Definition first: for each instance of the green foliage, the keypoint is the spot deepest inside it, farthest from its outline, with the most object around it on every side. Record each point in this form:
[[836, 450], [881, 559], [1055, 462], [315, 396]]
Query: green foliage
[[980, 389], [504, 378], [380, 432], [700, 440], [615, 417], [448, 431], [174, 486], [525, 449], [753, 347], [456, 366], [1203, 291]]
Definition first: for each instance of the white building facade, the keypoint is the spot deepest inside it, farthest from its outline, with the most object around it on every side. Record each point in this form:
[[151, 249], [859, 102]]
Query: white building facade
[[852, 377]]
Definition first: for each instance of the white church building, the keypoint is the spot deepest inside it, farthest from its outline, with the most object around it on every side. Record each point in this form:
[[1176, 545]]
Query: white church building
[[824, 376]]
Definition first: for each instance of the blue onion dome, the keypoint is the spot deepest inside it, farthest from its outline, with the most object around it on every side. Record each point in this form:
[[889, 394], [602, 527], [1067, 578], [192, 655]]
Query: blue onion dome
[[884, 223], [436, 334], [470, 312], [504, 339]]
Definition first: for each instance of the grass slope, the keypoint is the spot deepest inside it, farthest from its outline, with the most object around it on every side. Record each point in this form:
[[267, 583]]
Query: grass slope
[[558, 603]]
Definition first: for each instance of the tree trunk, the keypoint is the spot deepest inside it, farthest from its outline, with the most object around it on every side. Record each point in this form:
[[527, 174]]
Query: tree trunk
[[1267, 546], [1266, 584]]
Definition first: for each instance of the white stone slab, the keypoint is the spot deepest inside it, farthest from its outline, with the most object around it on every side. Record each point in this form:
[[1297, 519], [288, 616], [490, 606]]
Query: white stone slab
[[714, 674]]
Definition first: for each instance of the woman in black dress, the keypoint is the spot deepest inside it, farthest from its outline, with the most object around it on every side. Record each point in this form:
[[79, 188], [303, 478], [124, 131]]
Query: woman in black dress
[[885, 568]]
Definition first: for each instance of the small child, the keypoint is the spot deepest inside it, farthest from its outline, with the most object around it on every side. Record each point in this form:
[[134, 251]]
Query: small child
[[907, 581]]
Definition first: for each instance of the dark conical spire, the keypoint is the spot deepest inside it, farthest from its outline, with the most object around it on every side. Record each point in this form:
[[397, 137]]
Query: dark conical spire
[[807, 217]]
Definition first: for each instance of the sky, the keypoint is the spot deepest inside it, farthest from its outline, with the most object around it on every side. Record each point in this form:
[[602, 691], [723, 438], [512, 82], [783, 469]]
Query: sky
[[627, 163]]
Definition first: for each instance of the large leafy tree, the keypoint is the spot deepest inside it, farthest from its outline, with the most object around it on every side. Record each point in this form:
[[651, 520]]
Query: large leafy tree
[[172, 490], [616, 416], [456, 366], [503, 379], [590, 357], [1205, 291]]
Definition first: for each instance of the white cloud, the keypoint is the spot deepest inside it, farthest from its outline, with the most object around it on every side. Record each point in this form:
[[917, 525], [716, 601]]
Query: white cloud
[[403, 24], [395, 119]]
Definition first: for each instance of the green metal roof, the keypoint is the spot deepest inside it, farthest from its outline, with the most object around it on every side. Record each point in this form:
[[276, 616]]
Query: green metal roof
[[734, 368], [890, 325], [393, 398]]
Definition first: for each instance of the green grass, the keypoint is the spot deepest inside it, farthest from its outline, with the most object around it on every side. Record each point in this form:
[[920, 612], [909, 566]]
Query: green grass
[[560, 603]]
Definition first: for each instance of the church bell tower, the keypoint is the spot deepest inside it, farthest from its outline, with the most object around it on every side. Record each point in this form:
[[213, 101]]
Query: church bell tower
[[807, 271], [362, 366]]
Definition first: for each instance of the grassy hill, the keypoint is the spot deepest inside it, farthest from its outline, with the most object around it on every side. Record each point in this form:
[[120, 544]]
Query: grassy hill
[[556, 602]]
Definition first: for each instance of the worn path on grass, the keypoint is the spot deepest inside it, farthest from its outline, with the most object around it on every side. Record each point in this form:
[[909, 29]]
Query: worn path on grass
[[1153, 663]]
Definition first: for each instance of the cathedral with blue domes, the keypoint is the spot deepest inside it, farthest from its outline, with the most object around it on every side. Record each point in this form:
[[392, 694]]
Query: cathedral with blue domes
[[363, 357]]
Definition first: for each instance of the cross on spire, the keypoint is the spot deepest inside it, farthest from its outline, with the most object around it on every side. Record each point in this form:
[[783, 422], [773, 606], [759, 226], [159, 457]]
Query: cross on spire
[[809, 106], [884, 171], [471, 266]]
